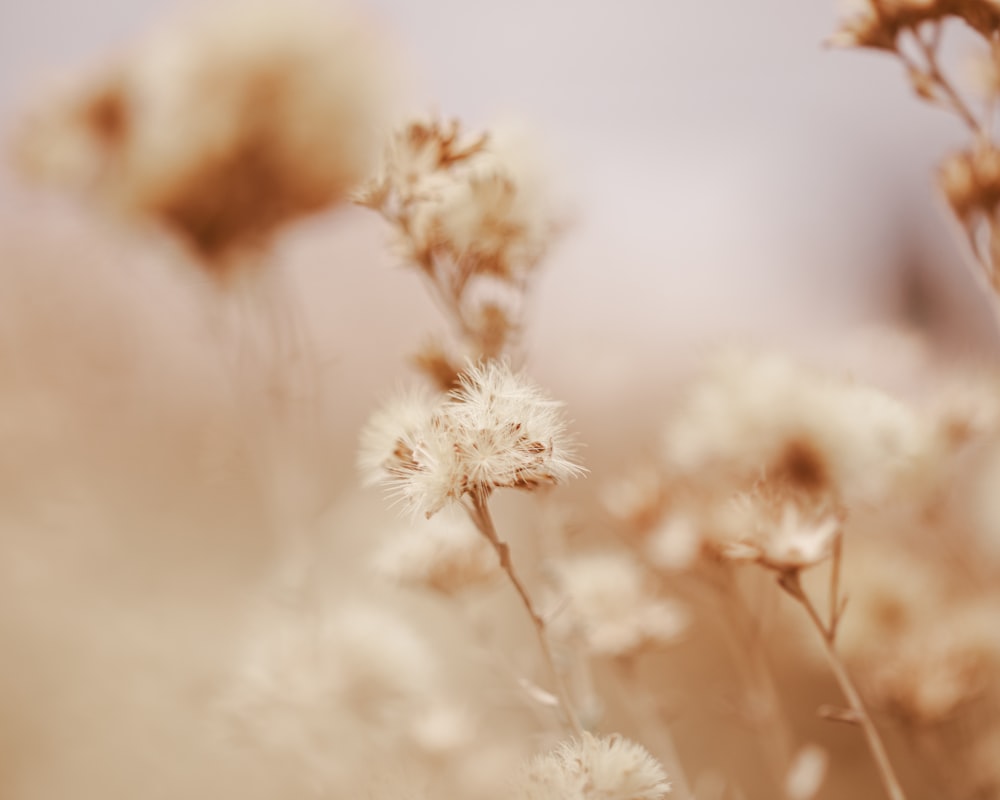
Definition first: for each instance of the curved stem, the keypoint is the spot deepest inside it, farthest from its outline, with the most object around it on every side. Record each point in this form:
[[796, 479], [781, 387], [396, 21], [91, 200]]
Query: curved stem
[[791, 583], [954, 100], [480, 513]]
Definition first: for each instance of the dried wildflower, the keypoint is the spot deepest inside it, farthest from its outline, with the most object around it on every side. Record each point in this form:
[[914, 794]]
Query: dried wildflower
[[864, 26], [592, 768], [223, 127], [497, 430], [384, 437], [612, 606], [779, 533], [475, 202], [446, 555], [473, 215], [762, 415]]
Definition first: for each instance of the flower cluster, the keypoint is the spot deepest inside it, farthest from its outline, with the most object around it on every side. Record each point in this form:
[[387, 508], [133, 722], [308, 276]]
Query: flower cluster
[[779, 533], [913, 31], [470, 204], [223, 127], [497, 430], [473, 215]]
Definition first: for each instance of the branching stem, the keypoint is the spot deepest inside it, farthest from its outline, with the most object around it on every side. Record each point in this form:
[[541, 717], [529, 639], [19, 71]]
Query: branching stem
[[480, 513], [929, 50], [792, 584]]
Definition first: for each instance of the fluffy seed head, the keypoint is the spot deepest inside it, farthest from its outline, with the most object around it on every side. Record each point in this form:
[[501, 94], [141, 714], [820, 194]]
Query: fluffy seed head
[[593, 768], [497, 430], [778, 532], [478, 201]]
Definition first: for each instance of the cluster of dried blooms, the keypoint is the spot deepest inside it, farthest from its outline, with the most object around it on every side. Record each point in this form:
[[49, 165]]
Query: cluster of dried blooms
[[913, 31], [472, 219], [472, 215], [497, 430], [789, 468], [801, 541], [925, 642], [221, 133]]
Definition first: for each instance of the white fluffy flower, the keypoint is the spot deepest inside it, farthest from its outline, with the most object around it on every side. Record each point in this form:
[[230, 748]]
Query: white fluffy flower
[[749, 412], [592, 768], [498, 430], [778, 534], [507, 432], [396, 423], [479, 200]]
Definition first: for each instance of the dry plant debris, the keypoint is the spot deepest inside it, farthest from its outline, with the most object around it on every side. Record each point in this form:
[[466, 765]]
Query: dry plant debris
[[796, 542]]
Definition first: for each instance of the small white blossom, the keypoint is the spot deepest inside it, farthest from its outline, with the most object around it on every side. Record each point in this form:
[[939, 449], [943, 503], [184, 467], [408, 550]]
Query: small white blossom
[[779, 534], [497, 430], [398, 421], [476, 200], [592, 768], [507, 431]]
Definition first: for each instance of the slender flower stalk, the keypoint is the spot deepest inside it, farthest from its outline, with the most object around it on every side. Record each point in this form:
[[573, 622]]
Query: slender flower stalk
[[790, 581], [913, 32], [479, 511]]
